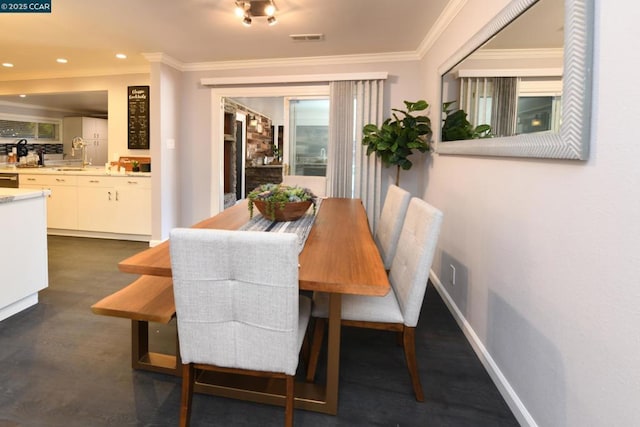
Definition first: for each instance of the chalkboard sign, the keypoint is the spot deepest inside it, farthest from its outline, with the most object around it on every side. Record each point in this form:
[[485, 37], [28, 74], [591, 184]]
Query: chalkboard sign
[[138, 98]]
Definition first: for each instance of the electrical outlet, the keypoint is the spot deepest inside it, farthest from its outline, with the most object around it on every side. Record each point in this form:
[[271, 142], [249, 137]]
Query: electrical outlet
[[453, 274]]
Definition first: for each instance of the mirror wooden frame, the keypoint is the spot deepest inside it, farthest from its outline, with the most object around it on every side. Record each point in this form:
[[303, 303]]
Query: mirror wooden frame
[[572, 141]]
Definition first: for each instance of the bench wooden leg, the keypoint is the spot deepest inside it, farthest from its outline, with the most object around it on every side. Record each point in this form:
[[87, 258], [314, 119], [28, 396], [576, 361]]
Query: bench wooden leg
[[139, 342], [142, 358]]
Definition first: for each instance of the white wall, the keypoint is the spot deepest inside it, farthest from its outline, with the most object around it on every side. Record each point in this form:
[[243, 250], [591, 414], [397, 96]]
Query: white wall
[[165, 105], [547, 252]]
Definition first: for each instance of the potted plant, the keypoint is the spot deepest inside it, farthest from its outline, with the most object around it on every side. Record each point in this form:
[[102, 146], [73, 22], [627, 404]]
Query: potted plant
[[456, 126], [281, 202], [135, 166], [399, 135]]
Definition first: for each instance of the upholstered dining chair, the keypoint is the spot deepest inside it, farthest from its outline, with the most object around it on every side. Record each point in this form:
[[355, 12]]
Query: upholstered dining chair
[[238, 307], [389, 225], [399, 310]]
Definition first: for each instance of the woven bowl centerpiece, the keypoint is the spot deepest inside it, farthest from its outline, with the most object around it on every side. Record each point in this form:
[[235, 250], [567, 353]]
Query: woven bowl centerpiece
[[279, 202], [288, 212]]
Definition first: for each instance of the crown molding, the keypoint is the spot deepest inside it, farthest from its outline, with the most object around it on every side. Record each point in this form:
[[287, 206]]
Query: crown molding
[[155, 57], [280, 62], [450, 11]]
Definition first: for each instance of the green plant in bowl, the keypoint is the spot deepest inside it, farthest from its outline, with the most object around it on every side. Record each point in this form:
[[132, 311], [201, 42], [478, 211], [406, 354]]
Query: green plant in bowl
[[280, 202]]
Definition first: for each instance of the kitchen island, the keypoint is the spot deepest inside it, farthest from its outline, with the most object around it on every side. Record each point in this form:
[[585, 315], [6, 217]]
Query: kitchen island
[[23, 253]]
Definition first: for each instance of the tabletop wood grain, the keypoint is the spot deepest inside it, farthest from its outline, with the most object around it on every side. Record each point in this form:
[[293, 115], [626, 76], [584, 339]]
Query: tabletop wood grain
[[340, 255]]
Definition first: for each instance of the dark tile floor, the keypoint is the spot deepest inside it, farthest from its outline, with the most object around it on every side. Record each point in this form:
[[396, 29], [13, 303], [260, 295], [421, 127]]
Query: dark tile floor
[[61, 365]]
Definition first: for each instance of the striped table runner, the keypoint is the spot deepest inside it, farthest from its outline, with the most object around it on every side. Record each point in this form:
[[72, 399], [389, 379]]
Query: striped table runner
[[301, 226]]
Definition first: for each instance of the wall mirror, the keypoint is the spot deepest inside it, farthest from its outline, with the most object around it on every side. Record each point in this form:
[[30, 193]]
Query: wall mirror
[[541, 49]]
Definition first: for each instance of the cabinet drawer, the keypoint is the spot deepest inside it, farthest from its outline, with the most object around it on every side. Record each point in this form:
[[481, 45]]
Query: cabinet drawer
[[48, 180], [95, 181], [132, 181]]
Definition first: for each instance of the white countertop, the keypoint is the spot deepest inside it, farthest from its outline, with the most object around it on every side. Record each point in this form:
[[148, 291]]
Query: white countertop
[[8, 195], [70, 170]]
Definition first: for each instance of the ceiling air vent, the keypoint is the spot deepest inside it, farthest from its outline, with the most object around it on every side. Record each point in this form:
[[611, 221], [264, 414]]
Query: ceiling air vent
[[306, 37]]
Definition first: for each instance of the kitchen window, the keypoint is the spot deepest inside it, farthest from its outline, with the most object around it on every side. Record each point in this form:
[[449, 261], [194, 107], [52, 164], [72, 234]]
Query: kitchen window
[[16, 127]]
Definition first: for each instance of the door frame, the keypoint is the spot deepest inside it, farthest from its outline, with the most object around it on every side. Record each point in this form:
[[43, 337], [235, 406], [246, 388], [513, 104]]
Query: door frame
[[217, 130]]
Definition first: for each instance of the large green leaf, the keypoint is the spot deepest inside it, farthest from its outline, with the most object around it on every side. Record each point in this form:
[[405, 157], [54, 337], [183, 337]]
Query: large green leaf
[[399, 135]]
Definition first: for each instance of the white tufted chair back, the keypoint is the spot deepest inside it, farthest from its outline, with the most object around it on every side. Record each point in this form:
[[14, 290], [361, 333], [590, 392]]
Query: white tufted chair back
[[390, 223], [236, 296], [412, 262]]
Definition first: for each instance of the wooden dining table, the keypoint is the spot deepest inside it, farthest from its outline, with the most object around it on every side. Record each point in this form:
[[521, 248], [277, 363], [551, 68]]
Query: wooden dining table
[[339, 257]]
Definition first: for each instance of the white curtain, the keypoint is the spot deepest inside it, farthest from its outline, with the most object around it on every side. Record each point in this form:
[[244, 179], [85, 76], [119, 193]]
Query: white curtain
[[350, 172], [505, 106], [490, 100]]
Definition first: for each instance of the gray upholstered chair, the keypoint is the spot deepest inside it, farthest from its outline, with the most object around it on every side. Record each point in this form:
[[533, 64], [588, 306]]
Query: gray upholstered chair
[[399, 310], [237, 306], [390, 223]]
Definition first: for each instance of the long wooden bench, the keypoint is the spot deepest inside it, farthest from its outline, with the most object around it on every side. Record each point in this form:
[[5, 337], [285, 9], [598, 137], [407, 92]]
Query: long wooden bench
[[147, 299]]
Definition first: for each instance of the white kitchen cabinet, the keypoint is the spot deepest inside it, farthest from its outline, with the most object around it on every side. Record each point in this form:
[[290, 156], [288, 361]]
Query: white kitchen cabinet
[[133, 215], [96, 207], [62, 211], [94, 131], [115, 204]]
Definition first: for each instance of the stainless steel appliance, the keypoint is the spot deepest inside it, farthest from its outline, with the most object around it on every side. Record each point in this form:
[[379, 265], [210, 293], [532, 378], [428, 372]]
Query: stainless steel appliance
[[9, 180]]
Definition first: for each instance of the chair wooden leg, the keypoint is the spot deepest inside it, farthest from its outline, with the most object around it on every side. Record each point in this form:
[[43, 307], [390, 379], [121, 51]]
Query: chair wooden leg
[[316, 345], [409, 341], [188, 378], [288, 409]]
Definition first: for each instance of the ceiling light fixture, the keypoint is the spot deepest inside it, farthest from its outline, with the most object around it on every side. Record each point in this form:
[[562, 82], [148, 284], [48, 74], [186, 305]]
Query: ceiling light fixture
[[61, 61], [7, 64], [248, 9], [121, 56]]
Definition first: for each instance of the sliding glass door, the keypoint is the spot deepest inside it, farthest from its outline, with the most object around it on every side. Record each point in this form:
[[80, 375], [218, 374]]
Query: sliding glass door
[[306, 136]]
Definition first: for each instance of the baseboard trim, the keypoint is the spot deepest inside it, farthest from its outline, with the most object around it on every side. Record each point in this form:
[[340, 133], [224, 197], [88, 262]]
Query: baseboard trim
[[98, 235], [18, 306], [513, 401]]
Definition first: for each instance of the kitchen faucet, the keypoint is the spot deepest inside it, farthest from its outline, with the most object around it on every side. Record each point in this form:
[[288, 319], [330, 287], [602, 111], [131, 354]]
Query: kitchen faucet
[[78, 143]]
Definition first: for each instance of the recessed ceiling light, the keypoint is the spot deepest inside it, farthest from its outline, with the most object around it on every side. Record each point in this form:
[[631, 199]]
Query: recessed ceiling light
[[61, 61], [7, 64], [22, 95], [121, 56]]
